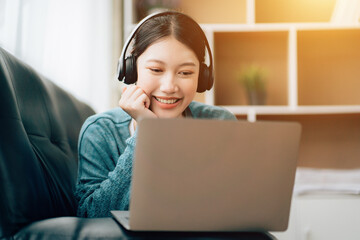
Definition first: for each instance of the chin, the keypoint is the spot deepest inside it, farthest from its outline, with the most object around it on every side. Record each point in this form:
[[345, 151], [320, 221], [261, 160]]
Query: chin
[[168, 114]]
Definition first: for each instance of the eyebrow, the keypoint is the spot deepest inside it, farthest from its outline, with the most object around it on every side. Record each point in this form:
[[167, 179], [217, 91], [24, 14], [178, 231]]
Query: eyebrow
[[183, 64]]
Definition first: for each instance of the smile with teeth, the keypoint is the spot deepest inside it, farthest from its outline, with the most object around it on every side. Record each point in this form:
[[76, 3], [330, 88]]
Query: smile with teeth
[[167, 101]]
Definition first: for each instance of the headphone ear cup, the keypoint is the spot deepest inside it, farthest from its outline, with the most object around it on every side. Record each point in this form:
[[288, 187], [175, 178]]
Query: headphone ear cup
[[130, 71], [205, 79]]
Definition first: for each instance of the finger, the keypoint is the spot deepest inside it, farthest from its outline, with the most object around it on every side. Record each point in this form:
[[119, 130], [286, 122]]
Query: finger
[[142, 101], [147, 102], [129, 92], [129, 89], [126, 95], [136, 94], [147, 99], [130, 100]]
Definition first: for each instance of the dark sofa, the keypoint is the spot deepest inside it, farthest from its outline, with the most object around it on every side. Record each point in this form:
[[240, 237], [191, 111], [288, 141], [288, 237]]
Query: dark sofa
[[39, 127]]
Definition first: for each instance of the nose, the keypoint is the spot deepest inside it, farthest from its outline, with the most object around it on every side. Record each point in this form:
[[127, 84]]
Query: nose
[[168, 84]]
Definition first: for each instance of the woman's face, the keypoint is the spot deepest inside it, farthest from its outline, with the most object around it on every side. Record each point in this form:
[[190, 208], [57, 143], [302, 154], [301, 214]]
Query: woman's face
[[168, 73]]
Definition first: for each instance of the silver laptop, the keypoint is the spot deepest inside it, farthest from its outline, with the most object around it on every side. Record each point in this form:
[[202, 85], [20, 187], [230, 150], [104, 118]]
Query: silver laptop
[[211, 175]]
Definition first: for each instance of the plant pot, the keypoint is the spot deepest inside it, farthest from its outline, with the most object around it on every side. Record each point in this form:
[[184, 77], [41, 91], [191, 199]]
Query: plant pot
[[256, 97]]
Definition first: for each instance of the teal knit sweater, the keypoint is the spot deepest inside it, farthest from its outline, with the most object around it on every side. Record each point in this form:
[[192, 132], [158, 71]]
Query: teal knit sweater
[[106, 151]]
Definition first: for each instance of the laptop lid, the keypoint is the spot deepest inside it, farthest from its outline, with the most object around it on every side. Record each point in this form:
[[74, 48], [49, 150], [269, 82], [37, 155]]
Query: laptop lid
[[211, 175]]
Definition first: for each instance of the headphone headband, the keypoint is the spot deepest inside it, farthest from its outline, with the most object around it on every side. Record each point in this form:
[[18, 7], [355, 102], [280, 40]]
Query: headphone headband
[[123, 65]]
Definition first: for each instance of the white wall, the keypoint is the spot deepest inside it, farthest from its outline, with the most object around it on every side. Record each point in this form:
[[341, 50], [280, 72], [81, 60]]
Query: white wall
[[68, 41]]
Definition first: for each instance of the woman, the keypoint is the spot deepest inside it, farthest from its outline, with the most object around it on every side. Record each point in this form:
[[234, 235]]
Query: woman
[[169, 54]]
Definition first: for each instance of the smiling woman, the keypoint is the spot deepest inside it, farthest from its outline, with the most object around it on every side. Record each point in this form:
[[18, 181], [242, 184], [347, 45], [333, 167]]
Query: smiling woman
[[170, 81], [165, 70]]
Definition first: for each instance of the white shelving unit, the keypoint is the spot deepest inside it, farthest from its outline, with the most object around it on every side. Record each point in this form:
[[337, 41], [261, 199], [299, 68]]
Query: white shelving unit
[[292, 107], [292, 29]]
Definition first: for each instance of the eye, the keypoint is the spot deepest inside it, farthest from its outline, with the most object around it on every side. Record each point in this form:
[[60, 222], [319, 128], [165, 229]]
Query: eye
[[156, 70], [186, 73]]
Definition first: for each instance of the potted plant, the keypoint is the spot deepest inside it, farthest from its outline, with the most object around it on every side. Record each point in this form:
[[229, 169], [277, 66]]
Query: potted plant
[[253, 79]]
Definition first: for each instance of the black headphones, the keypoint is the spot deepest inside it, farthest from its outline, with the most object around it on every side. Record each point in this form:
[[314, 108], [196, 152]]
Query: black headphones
[[127, 71]]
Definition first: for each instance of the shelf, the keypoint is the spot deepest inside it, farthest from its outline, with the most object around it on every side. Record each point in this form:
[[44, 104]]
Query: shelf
[[276, 27], [286, 110], [265, 27], [233, 51], [250, 11], [327, 140], [208, 11], [293, 11], [328, 67]]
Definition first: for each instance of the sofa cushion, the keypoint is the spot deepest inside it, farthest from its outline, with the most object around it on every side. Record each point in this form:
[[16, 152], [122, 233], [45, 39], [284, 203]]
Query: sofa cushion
[[39, 127], [72, 228]]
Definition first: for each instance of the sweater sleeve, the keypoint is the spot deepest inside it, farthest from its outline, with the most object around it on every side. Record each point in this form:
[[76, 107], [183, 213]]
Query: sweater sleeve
[[105, 169]]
